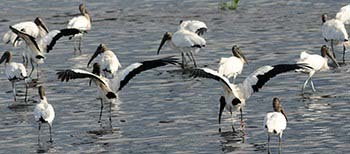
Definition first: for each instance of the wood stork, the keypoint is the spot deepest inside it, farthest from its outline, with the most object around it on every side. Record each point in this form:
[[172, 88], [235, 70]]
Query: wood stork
[[235, 95], [108, 88], [195, 26], [344, 14], [14, 72], [36, 29], [44, 112], [275, 122], [333, 30], [232, 66], [45, 43], [81, 22], [184, 41], [316, 63], [108, 60]]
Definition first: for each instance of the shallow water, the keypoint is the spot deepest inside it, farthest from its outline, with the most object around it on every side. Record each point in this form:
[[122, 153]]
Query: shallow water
[[163, 111]]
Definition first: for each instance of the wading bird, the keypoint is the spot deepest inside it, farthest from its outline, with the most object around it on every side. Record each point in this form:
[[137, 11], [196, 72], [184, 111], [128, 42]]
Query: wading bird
[[44, 112], [108, 88], [333, 30], [108, 60], [46, 43], [81, 22], [184, 41], [195, 26], [14, 72], [316, 63], [232, 66], [235, 95], [275, 122]]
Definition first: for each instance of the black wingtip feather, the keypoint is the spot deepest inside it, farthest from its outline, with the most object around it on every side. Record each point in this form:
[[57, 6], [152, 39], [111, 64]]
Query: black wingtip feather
[[63, 32], [111, 95]]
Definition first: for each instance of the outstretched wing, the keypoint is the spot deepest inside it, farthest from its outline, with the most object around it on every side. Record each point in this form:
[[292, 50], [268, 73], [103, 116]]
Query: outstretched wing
[[78, 73], [51, 38], [30, 40], [211, 74], [344, 14], [129, 72], [259, 77]]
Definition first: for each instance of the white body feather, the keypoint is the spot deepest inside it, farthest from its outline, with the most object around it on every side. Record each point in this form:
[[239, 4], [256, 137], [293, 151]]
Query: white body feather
[[334, 29], [275, 123], [192, 25], [110, 62], [29, 27], [44, 110], [317, 62], [231, 67], [344, 14], [15, 70]]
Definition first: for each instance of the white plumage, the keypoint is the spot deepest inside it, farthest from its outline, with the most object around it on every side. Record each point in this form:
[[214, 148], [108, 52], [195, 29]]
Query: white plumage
[[344, 14], [14, 72], [235, 95], [316, 63], [107, 59], [184, 41], [81, 22], [44, 112], [194, 26], [232, 66], [108, 88], [333, 30]]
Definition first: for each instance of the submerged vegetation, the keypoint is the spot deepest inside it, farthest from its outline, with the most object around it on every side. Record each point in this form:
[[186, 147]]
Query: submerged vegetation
[[229, 5]]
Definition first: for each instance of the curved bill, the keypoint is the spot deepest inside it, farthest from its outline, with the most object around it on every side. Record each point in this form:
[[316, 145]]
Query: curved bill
[[243, 57], [332, 58], [166, 37], [97, 52]]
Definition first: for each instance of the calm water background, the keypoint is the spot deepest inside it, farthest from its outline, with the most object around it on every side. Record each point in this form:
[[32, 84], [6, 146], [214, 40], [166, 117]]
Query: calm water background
[[163, 111]]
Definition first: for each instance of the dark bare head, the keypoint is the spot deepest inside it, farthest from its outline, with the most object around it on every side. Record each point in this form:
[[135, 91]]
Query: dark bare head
[[324, 17], [6, 57], [237, 52], [166, 37], [100, 49], [326, 52], [277, 106], [40, 23], [42, 92]]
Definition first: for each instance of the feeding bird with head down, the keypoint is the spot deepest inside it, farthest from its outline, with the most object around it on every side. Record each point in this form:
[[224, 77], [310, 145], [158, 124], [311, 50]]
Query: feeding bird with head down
[[81, 22], [46, 43], [275, 122], [15, 72], [107, 59], [184, 41], [108, 88], [316, 63], [44, 112], [232, 66], [236, 95]]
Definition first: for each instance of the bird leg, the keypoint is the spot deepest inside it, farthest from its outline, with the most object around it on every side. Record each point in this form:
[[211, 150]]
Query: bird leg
[[39, 127], [13, 90], [110, 112], [50, 132], [221, 109], [26, 93], [79, 45], [37, 71], [344, 54], [332, 49], [268, 143], [242, 122], [99, 120], [31, 62], [307, 80], [233, 128], [312, 85], [194, 60], [183, 60], [279, 144]]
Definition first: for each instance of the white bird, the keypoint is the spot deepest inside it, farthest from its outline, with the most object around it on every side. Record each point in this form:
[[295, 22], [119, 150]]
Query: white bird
[[184, 41], [195, 26], [35, 29], [235, 95], [108, 88], [333, 30], [108, 60], [46, 43], [275, 122], [232, 66], [344, 14], [81, 22], [44, 112], [14, 72], [316, 63]]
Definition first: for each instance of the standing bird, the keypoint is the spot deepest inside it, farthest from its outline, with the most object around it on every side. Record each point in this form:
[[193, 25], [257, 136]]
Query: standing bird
[[44, 112], [81, 22], [316, 63], [108, 88], [108, 61], [14, 72], [232, 66], [275, 122], [235, 95], [36, 29], [184, 41], [195, 26], [333, 30], [46, 43]]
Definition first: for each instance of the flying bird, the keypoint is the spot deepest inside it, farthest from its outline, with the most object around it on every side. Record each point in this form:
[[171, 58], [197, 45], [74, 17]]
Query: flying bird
[[236, 95]]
